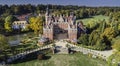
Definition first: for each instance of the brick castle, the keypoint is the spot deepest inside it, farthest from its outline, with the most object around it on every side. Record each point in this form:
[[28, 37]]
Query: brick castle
[[62, 24]]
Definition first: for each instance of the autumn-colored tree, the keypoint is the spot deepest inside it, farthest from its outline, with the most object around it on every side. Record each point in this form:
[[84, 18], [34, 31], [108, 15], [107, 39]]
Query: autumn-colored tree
[[109, 33], [36, 24], [7, 26]]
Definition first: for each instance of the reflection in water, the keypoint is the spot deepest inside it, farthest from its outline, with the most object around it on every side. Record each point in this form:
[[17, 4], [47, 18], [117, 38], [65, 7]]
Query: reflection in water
[[15, 40]]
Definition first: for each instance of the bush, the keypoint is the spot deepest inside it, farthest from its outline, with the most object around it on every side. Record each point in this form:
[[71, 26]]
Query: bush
[[100, 45], [90, 55], [116, 45], [41, 56], [83, 39]]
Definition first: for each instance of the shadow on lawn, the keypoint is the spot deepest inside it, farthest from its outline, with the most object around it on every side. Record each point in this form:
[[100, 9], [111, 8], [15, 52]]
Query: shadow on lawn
[[85, 17], [30, 57]]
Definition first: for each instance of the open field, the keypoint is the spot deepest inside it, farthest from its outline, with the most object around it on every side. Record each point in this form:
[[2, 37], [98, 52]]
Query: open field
[[93, 18], [76, 59]]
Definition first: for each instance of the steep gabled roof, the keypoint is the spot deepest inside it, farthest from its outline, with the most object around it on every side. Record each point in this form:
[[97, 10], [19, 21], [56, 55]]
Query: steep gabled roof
[[61, 19]]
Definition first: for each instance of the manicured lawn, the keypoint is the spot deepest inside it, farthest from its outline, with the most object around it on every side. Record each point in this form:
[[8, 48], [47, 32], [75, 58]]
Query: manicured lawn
[[94, 18], [76, 59]]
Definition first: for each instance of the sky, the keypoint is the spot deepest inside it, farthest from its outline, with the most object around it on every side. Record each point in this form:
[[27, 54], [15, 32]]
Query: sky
[[64, 2]]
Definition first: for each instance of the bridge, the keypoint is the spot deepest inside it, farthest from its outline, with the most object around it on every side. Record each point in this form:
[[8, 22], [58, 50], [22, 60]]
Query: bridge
[[62, 46]]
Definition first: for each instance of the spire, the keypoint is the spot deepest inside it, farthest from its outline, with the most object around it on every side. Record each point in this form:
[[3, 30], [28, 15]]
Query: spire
[[72, 14], [47, 15], [47, 11]]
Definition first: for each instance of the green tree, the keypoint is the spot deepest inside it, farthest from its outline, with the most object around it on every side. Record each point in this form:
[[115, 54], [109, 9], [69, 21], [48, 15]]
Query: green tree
[[93, 25], [102, 26], [93, 37], [1, 24], [100, 44], [116, 45], [3, 46], [8, 22], [3, 43], [114, 59], [83, 39], [116, 27]]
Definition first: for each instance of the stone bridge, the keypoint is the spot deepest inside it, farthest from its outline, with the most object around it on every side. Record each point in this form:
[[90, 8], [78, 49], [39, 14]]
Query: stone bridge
[[22, 55]]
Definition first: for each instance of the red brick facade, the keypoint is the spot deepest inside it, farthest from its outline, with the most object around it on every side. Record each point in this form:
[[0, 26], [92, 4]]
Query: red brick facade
[[54, 24]]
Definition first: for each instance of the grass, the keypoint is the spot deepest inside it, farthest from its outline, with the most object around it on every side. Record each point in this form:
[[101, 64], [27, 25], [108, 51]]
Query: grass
[[94, 18], [65, 60], [76, 59], [29, 45]]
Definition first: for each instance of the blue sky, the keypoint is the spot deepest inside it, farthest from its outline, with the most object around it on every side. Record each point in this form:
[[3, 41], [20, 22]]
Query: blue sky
[[65, 2]]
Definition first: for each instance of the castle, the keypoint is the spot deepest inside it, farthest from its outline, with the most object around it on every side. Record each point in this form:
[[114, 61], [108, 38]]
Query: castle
[[62, 24]]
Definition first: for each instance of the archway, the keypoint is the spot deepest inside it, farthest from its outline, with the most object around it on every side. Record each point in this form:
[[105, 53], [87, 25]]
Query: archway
[[60, 34]]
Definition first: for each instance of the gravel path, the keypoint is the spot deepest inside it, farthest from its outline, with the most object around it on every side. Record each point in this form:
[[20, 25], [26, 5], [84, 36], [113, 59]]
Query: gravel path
[[105, 53]]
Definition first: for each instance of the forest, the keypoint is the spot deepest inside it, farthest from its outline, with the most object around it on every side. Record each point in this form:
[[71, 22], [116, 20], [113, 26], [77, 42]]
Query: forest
[[80, 11]]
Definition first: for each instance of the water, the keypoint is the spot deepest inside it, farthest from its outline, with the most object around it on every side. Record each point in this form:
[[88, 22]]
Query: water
[[15, 40]]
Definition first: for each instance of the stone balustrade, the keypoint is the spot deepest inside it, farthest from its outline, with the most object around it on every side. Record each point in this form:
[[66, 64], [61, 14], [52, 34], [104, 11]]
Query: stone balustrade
[[88, 51], [22, 55]]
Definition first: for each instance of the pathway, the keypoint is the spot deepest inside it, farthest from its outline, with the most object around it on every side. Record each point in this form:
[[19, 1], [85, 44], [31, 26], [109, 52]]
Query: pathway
[[103, 54], [60, 47]]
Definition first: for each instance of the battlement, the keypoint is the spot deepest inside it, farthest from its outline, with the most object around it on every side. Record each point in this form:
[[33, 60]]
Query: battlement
[[61, 23], [72, 27], [50, 27]]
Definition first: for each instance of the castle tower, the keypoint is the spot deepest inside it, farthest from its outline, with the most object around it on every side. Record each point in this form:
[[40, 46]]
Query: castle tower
[[60, 24], [48, 32], [72, 32], [47, 16]]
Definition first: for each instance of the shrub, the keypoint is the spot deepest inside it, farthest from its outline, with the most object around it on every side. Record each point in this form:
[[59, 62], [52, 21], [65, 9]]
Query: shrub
[[41, 56]]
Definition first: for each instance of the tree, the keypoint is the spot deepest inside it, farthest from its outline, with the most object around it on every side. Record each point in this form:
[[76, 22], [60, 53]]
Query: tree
[[93, 37], [3, 43], [8, 22], [8, 26], [1, 24], [3, 46], [114, 59], [116, 16], [102, 26], [116, 45], [109, 33], [96, 42], [116, 25], [92, 24], [83, 39], [100, 44], [36, 24]]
